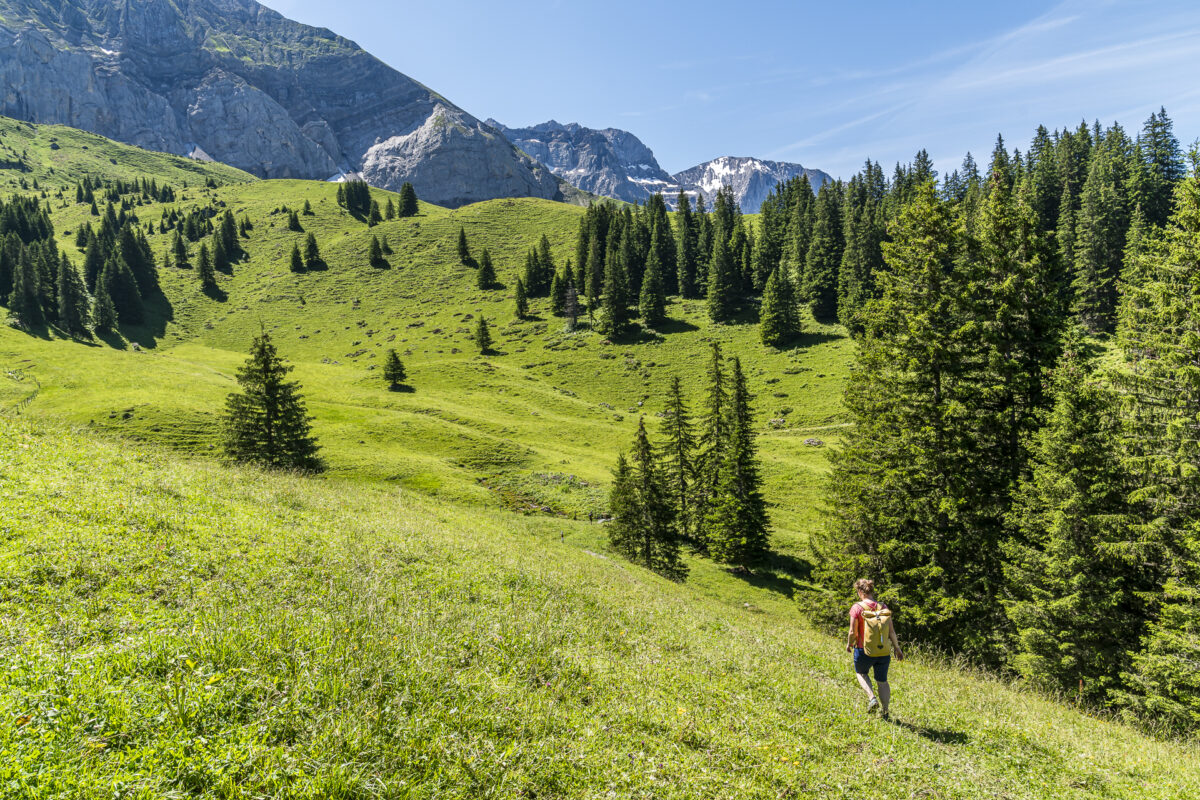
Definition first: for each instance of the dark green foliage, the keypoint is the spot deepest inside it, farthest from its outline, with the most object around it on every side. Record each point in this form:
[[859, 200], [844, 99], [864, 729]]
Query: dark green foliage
[[122, 289], [1160, 166], [483, 336], [522, 300], [267, 423], [643, 519], [486, 274], [220, 256], [780, 318], [294, 222], [312, 254], [652, 301], [206, 270], [104, 312], [735, 521], [819, 282], [678, 460], [1075, 580], [1100, 231], [355, 197], [296, 262], [375, 216], [375, 252], [687, 249], [1161, 415], [614, 305], [723, 284], [73, 312], [464, 249], [25, 301], [389, 211], [393, 370], [308, 209], [407, 207]]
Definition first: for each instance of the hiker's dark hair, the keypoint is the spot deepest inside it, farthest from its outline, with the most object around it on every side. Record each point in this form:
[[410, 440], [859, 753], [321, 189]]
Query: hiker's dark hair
[[864, 585]]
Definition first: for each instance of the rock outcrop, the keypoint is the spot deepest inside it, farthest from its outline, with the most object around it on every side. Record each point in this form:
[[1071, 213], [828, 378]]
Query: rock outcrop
[[609, 162], [241, 83]]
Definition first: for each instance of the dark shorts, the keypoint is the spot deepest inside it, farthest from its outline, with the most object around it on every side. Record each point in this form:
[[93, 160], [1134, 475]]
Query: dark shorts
[[863, 664]]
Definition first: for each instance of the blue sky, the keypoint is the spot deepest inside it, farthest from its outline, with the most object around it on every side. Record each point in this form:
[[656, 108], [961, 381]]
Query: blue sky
[[825, 84]]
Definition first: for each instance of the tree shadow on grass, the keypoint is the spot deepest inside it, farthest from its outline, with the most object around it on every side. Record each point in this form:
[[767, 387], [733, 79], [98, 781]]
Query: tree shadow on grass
[[669, 326], [401, 388], [939, 735], [778, 572], [158, 313], [806, 340]]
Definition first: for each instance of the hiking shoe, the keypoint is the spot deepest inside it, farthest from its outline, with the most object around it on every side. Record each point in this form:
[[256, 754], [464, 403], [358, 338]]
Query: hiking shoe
[[873, 706], [885, 716]]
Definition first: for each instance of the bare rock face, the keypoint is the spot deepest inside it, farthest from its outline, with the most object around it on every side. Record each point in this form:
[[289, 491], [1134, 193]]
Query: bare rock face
[[751, 179], [245, 85], [609, 162]]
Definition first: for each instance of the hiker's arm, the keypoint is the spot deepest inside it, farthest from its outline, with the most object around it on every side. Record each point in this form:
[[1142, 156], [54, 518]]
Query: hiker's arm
[[895, 642], [852, 637]]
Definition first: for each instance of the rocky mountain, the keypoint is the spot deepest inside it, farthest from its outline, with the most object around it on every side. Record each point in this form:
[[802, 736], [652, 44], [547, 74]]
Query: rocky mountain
[[237, 82], [751, 179], [615, 163], [608, 162]]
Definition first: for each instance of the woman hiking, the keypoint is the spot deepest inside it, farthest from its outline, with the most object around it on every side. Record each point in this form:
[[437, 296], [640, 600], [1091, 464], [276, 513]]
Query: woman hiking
[[872, 640]]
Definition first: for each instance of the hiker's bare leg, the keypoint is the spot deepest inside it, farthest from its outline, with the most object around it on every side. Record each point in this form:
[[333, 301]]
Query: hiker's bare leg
[[865, 683], [885, 695]]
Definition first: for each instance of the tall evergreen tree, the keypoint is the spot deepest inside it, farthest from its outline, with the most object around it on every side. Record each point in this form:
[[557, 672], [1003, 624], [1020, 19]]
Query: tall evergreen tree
[[206, 270], [522, 300], [483, 336], [1160, 168], [464, 249], [679, 459], [407, 207], [614, 304], [736, 523], [296, 261], [266, 422], [104, 312], [723, 283], [819, 283], [485, 276], [643, 525], [1100, 231], [686, 249], [1075, 581], [122, 288], [652, 301], [312, 253], [25, 302], [73, 312], [779, 319]]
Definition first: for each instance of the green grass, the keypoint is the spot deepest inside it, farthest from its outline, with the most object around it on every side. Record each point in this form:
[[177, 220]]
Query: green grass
[[171, 628]]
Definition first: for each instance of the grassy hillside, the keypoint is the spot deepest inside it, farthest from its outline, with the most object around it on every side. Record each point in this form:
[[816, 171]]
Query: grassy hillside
[[176, 629], [54, 156], [537, 426]]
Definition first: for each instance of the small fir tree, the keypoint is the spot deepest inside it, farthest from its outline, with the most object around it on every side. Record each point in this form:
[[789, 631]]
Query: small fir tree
[[464, 249], [296, 261], [522, 301], [312, 254], [206, 271], [408, 206], [483, 336], [266, 422], [393, 370], [486, 274], [73, 312], [779, 319]]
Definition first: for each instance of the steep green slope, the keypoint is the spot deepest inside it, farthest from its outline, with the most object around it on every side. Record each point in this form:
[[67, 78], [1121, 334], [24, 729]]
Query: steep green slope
[[537, 426], [56, 156], [173, 628]]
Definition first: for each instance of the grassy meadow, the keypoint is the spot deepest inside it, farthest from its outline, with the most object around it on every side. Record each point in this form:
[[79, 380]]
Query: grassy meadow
[[434, 617]]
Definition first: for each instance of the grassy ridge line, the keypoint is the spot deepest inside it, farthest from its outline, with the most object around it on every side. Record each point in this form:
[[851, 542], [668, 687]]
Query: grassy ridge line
[[172, 628], [56, 155]]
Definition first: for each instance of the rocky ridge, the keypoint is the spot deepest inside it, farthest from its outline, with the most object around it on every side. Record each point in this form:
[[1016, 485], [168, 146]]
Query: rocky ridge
[[240, 83]]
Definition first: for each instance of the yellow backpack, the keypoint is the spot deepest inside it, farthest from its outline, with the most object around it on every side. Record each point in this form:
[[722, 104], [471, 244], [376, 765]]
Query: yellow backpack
[[876, 626]]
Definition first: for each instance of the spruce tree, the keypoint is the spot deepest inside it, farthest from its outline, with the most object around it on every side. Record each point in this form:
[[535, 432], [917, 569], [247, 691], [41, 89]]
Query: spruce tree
[[712, 442], [652, 301], [1100, 231], [686, 249], [206, 271], [122, 289], [308, 209], [521, 300], [483, 336], [779, 319], [375, 252], [722, 283], [104, 312], [389, 211], [485, 276], [614, 305], [1075, 580], [296, 261], [464, 250], [1160, 168], [679, 459], [266, 423], [819, 283], [312, 254], [73, 311], [375, 216], [25, 301], [407, 206], [736, 522], [93, 263], [1161, 414], [643, 517], [294, 222], [220, 256], [393, 370]]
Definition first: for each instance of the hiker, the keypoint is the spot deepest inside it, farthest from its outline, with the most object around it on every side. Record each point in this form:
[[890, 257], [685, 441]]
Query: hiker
[[872, 640]]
